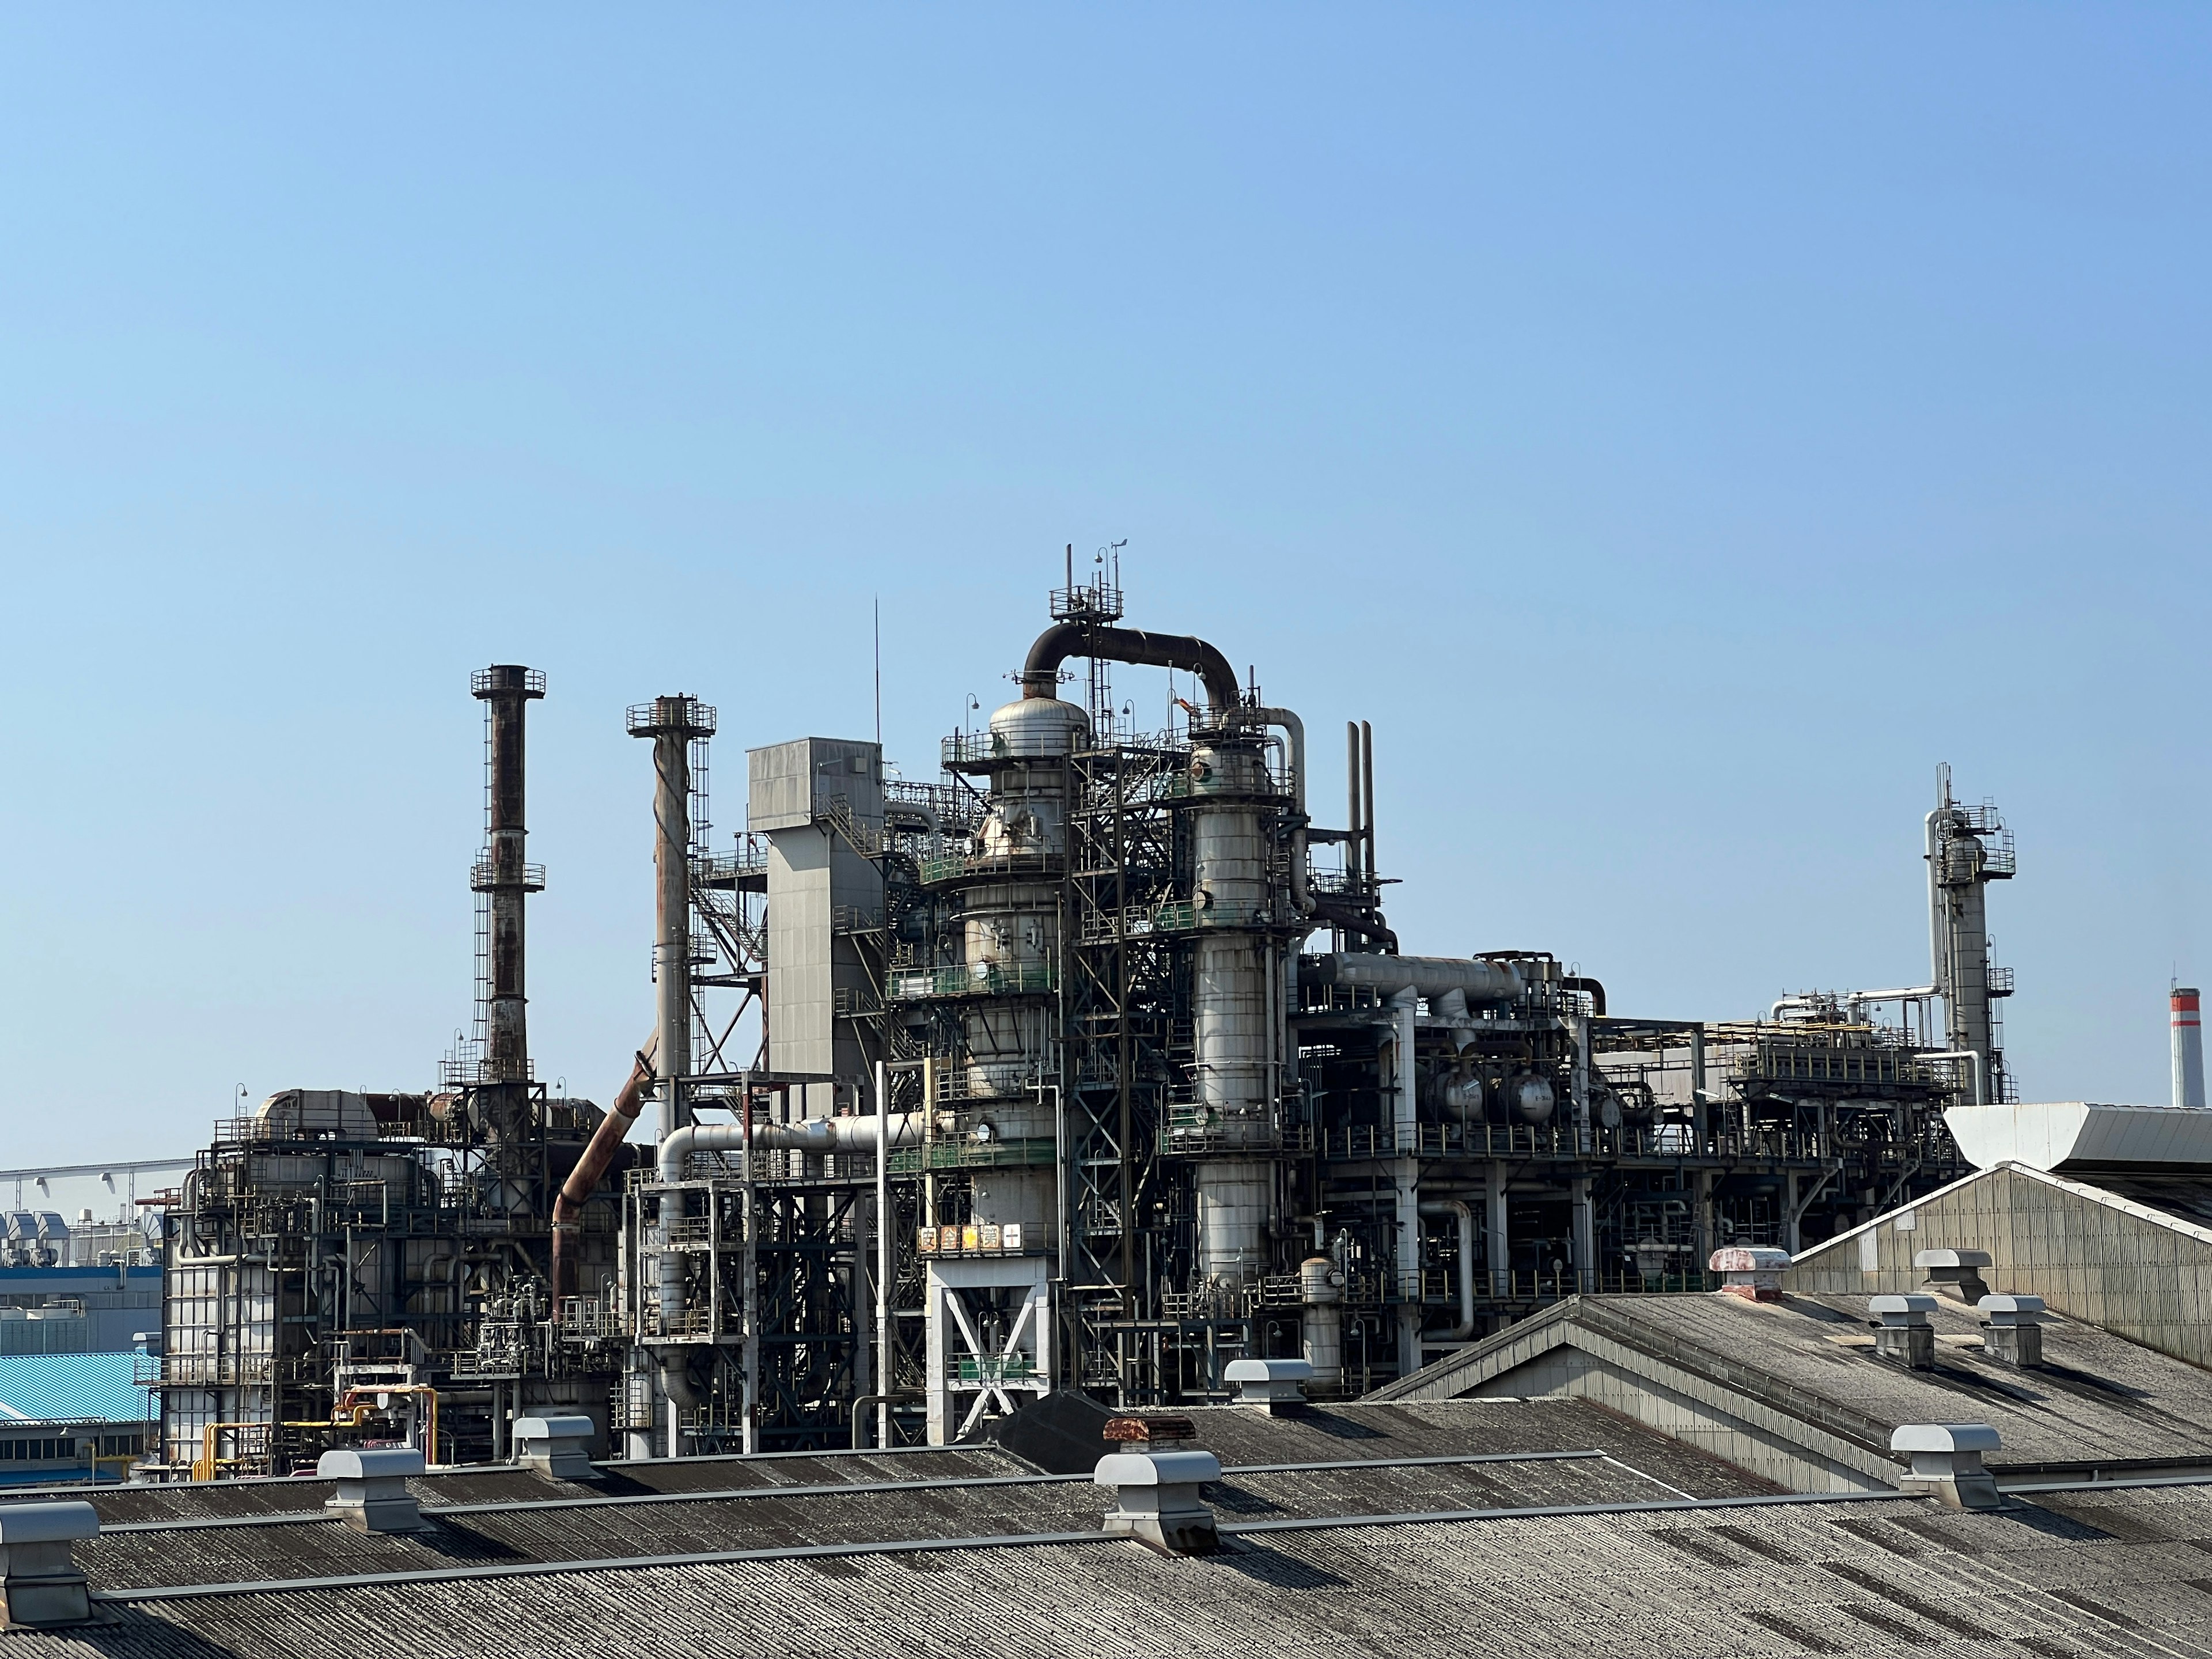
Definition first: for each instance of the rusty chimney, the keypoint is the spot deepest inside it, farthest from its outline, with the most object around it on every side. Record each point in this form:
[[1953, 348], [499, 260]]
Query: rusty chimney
[[501, 875], [677, 726]]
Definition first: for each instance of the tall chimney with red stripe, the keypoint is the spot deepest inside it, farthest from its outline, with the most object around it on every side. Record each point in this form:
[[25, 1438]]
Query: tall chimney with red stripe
[[2187, 1048]]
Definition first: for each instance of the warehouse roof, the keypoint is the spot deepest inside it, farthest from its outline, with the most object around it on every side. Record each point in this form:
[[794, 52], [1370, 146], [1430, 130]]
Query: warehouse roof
[[2099, 1401], [2073, 1572], [72, 1388], [1458, 1456]]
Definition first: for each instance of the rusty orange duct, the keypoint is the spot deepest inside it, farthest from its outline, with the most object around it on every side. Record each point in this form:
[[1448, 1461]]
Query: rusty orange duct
[[591, 1168]]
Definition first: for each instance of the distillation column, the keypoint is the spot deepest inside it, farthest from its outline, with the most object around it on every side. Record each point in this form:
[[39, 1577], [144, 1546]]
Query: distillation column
[[1961, 863], [1233, 1013], [1008, 1091], [1010, 944]]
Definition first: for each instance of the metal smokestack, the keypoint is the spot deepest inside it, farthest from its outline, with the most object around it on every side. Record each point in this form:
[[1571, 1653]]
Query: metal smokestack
[[673, 724], [2187, 1048], [501, 874]]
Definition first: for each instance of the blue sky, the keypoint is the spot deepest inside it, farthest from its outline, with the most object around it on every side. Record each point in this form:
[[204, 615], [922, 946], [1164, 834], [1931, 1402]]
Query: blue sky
[[1676, 428]]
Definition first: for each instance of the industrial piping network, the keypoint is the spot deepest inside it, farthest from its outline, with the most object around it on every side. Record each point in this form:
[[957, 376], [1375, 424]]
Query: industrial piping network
[[1121, 1096], [1094, 1065]]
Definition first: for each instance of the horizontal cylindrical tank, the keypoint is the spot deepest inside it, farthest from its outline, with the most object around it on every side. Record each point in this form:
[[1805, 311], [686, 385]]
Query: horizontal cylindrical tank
[[1531, 1098], [1459, 1094], [1431, 976]]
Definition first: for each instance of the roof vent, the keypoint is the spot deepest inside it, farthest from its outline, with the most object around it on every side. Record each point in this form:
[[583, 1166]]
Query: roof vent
[[1753, 1274], [1275, 1386], [557, 1448], [1954, 1274], [2012, 1328], [1904, 1333], [1947, 1463], [39, 1583], [1156, 1496], [373, 1495]]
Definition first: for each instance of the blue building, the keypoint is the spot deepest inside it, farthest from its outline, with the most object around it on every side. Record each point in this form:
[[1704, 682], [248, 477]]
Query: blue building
[[72, 1417]]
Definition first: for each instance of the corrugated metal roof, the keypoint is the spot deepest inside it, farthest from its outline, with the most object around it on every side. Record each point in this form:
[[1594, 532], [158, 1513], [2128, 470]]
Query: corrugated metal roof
[[2105, 1573], [1343, 1460], [71, 1388]]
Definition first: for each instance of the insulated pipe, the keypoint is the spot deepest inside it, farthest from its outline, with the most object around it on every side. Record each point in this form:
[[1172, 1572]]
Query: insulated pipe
[[1431, 976], [1295, 729], [1041, 671], [1938, 955], [819, 1135], [1352, 840], [1465, 1212], [1367, 795], [591, 1169]]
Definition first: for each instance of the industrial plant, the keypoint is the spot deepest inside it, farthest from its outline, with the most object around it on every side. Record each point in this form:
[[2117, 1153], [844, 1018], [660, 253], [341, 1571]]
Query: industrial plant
[[1090, 1064]]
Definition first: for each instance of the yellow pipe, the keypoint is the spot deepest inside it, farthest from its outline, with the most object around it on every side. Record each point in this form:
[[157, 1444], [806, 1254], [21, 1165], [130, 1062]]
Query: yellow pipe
[[205, 1467], [349, 1412]]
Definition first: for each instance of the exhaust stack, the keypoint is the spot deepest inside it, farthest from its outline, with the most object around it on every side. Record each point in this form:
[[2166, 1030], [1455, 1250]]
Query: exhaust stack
[[675, 724], [2188, 1047], [501, 876]]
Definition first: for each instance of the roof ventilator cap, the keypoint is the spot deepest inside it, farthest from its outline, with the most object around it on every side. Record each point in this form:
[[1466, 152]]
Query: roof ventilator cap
[[2012, 1329], [1753, 1274], [373, 1495], [1275, 1386], [40, 1582], [1902, 1332], [557, 1448], [1947, 1463], [1954, 1274], [1156, 1493]]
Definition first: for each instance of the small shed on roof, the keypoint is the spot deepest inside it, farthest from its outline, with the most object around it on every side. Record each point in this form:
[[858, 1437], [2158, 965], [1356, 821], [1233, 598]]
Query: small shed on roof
[[2129, 1248]]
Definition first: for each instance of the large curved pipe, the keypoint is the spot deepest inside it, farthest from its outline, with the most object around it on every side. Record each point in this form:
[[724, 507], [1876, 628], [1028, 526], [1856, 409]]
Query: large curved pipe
[[1041, 672], [819, 1135], [1338, 914], [1464, 1213], [1295, 730], [591, 1169], [1594, 989]]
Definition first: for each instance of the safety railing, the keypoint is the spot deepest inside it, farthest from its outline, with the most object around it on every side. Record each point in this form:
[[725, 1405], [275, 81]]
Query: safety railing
[[1002, 1368], [484, 877], [936, 868], [201, 1370], [1560, 1139], [971, 980]]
